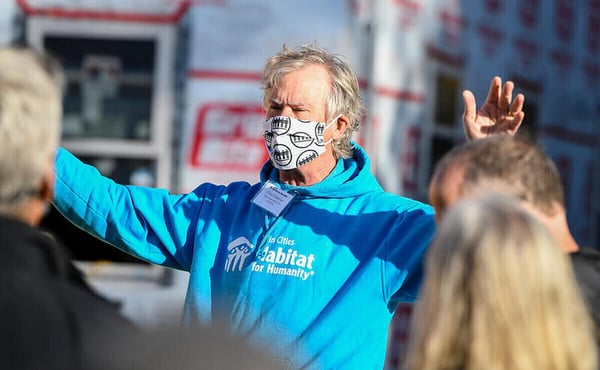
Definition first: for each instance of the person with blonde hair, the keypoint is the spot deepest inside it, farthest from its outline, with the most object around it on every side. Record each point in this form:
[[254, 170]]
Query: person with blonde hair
[[498, 294], [517, 167], [51, 319]]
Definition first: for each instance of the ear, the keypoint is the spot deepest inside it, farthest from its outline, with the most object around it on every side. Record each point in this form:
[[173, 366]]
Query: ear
[[47, 186], [339, 127]]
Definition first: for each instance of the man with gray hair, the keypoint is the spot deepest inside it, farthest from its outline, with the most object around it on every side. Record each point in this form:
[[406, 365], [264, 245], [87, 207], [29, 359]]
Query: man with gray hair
[[309, 262], [51, 318]]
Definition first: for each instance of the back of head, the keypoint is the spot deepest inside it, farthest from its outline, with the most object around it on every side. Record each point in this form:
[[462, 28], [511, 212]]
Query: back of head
[[511, 165], [30, 113], [508, 295], [344, 97]]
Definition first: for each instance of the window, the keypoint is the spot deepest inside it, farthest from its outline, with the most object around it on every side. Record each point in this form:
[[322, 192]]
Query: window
[[109, 86], [117, 107], [446, 94]]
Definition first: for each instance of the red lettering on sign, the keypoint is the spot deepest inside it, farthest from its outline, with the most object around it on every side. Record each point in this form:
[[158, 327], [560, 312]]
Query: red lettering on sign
[[228, 137]]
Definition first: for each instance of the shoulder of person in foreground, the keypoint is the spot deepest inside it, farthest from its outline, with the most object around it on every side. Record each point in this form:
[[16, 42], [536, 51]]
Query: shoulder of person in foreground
[[586, 266], [54, 322], [185, 348]]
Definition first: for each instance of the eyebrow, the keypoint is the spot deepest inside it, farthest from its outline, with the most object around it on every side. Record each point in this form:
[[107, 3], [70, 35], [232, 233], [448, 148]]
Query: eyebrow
[[292, 104]]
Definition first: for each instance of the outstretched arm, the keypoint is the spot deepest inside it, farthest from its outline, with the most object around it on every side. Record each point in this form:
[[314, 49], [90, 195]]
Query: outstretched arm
[[140, 221], [500, 114]]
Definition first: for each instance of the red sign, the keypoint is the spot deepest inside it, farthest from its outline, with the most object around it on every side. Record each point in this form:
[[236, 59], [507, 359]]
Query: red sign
[[227, 137]]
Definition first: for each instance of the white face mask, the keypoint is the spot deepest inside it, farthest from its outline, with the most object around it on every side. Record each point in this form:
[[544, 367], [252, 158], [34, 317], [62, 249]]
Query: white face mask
[[292, 143]]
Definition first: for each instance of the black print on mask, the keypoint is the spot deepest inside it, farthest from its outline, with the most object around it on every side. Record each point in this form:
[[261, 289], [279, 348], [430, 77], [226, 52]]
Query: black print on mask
[[280, 125], [301, 139], [307, 156], [319, 131], [282, 155], [268, 138]]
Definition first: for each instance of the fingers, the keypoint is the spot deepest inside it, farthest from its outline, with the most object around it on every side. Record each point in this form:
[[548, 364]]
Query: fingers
[[506, 96], [469, 114], [517, 105], [499, 114], [470, 106], [494, 91], [516, 123]]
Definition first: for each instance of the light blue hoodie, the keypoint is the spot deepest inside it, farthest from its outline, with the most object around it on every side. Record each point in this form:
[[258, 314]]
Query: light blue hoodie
[[316, 285]]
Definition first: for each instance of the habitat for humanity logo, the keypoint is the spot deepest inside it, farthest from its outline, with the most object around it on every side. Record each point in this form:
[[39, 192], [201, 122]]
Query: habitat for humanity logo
[[237, 252], [272, 259], [286, 260]]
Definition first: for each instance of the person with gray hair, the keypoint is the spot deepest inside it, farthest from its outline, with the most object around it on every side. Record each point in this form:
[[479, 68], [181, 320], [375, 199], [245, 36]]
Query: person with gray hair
[[309, 262], [51, 319], [30, 118], [498, 294]]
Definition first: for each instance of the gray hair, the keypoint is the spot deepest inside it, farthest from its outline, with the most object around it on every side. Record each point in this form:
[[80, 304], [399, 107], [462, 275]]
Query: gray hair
[[344, 97], [30, 114]]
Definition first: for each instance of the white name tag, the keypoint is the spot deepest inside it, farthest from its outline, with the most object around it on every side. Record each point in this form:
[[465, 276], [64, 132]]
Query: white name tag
[[272, 199]]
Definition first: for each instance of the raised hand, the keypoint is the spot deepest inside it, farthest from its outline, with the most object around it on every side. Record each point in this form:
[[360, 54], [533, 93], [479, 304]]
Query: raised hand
[[500, 114]]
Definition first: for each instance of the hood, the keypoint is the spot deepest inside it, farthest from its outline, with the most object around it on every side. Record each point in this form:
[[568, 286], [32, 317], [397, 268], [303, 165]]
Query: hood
[[350, 177]]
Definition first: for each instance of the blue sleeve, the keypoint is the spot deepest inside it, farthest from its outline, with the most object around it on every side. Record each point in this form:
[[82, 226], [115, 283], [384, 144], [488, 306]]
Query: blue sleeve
[[148, 223], [406, 250]]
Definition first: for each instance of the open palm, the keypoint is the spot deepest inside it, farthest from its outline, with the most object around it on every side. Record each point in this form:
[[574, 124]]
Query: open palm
[[500, 114]]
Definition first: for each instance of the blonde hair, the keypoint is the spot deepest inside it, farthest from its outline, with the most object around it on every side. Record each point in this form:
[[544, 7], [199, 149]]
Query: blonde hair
[[30, 114], [344, 96], [498, 294]]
